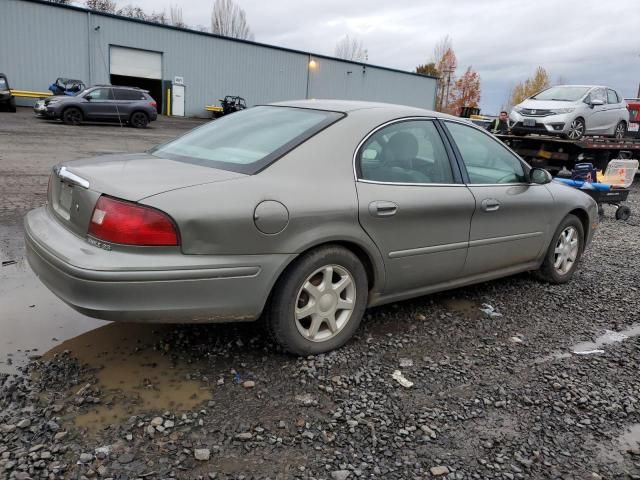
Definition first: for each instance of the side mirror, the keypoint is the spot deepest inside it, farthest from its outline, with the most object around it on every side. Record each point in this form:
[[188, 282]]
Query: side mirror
[[88, 97], [539, 176], [597, 102]]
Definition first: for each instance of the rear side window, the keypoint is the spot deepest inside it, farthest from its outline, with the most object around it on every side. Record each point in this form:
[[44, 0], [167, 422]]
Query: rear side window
[[405, 152], [247, 141], [612, 96], [101, 94], [486, 160], [122, 94]]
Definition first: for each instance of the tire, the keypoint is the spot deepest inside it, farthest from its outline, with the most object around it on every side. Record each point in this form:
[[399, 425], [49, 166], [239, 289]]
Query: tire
[[548, 270], [620, 131], [11, 105], [72, 116], [301, 335], [139, 120], [577, 128], [623, 213]]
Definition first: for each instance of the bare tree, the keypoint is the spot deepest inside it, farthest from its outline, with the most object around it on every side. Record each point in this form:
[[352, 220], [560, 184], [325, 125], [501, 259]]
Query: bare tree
[[132, 12], [351, 49], [108, 6], [175, 16], [230, 20]]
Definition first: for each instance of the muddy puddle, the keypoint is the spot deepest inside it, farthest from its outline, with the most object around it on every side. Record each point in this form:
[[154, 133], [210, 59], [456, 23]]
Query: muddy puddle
[[133, 375], [467, 308], [32, 319]]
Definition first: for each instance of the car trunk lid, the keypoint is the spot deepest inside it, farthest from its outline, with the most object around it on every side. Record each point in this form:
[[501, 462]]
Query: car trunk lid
[[74, 187]]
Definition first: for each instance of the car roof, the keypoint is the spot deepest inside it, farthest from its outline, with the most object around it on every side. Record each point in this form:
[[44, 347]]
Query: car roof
[[345, 106], [583, 86]]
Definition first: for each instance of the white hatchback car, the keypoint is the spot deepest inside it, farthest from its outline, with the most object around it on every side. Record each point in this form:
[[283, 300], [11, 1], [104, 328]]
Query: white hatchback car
[[572, 111]]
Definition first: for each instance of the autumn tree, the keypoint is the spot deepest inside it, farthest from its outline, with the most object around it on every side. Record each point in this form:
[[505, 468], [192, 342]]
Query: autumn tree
[[108, 6], [443, 64], [428, 69], [230, 20], [465, 92], [530, 86], [351, 49]]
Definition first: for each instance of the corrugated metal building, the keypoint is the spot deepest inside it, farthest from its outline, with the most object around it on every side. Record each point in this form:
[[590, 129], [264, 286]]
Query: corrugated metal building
[[40, 41]]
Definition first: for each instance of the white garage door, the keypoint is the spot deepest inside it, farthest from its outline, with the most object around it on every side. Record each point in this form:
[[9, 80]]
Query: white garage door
[[135, 63]]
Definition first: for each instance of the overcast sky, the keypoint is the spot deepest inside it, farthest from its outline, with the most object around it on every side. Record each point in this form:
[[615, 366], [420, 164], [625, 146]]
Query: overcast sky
[[577, 41]]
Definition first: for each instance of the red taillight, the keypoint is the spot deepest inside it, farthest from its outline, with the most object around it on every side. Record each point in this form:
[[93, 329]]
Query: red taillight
[[154, 104], [118, 221]]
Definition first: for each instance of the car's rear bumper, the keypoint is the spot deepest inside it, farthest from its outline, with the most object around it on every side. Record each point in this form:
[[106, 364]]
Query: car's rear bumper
[[162, 287]]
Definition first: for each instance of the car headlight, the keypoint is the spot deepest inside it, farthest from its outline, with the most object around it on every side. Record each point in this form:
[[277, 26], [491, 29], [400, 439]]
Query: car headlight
[[562, 110], [518, 109]]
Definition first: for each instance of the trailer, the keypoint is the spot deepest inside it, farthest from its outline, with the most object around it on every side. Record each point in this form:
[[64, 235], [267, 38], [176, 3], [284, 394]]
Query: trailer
[[556, 154]]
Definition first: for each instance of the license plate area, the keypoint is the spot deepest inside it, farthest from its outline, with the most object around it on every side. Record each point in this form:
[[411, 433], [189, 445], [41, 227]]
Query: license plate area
[[65, 198], [529, 122]]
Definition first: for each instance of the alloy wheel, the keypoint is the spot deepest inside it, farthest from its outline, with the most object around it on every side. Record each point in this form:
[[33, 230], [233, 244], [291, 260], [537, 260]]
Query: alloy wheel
[[139, 120], [576, 129], [325, 303], [566, 251], [620, 131]]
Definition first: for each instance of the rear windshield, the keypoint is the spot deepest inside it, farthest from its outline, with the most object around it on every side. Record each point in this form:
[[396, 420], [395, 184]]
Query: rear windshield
[[249, 140], [567, 94]]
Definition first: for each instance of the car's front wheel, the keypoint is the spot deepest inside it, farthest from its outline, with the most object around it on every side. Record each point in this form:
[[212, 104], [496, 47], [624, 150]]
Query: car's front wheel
[[72, 116], [319, 301], [561, 260], [576, 130]]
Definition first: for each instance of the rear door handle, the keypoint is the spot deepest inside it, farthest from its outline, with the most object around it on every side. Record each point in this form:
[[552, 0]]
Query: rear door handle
[[382, 208], [490, 205]]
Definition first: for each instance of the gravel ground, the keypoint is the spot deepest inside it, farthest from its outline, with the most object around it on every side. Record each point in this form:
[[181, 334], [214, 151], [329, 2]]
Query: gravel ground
[[493, 397]]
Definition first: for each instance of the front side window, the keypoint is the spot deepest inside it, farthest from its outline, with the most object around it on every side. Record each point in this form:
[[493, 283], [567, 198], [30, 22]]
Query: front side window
[[405, 152], [487, 161], [598, 94], [249, 140], [612, 97], [101, 94], [3, 84]]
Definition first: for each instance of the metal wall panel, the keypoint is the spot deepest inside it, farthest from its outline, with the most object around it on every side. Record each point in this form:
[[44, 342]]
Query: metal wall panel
[[40, 42]]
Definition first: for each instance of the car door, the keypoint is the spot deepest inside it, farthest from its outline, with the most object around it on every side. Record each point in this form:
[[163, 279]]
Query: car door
[[615, 109], [596, 115], [413, 204], [125, 100], [101, 105], [510, 220]]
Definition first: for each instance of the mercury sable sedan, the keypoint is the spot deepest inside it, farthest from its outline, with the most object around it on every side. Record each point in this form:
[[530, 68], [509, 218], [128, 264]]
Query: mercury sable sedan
[[303, 213]]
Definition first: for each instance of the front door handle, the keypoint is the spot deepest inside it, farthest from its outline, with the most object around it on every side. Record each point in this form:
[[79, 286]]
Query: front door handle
[[490, 205], [382, 208]]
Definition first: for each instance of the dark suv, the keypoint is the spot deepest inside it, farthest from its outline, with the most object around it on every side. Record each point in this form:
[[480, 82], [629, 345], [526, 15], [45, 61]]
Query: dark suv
[[103, 102], [6, 97]]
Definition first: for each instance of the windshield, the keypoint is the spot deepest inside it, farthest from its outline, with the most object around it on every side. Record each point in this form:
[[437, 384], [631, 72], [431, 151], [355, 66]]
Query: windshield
[[566, 94], [249, 140], [3, 83]]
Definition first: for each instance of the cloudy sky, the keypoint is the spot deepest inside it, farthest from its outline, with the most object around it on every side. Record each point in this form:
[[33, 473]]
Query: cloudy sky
[[577, 41]]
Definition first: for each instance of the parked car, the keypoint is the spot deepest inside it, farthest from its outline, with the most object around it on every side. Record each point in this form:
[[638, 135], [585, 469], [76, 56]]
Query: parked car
[[101, 103], [572, 111], [307, 212], [7, 100]]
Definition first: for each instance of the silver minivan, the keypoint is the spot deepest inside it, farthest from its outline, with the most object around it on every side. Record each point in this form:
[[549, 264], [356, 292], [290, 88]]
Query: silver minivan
[[572, 111]]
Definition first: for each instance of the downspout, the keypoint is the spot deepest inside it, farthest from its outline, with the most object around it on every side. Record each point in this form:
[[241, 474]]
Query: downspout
[[308, 74], [90, 82]]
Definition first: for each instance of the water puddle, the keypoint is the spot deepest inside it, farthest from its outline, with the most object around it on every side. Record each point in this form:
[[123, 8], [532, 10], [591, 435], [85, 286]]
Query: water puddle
[[467, 308], [630, 439], [133, 375], [32, 319], [607, 338]]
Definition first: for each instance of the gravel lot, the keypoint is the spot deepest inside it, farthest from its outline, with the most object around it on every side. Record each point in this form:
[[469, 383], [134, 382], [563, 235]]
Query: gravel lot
[[493, 397]]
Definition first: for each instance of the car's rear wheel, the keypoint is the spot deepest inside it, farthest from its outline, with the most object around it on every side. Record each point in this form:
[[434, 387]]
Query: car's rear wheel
[[564, 253], [577, 129], [318, 303], [620, 131], [72, 116], [139, 120]]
